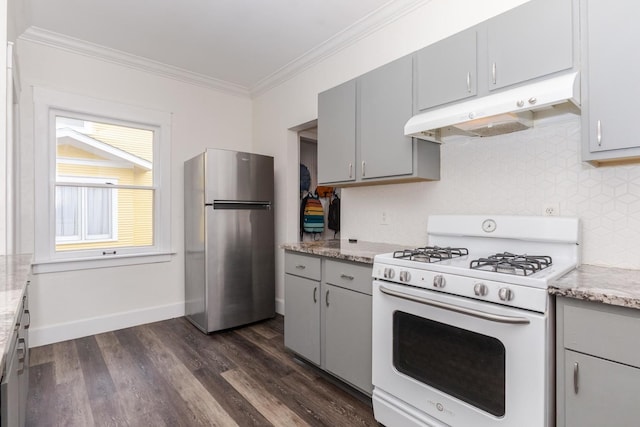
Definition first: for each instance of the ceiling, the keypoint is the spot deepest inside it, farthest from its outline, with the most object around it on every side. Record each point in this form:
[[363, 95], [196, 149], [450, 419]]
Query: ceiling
[[247, 43]]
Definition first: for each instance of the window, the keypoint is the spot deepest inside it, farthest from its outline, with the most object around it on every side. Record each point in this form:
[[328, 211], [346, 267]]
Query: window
[[85, 214], [102, 183]]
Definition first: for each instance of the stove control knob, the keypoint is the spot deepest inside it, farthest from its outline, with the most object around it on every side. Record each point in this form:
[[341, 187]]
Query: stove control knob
[[505, 294], [389, 273], [480, 289], [438, 281], [405, 276]]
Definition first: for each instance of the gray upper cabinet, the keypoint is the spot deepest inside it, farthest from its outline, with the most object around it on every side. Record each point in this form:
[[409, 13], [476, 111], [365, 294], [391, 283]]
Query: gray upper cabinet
[[609, 79], [385, 99], [361, 131], [337, 133], [447, 71], [530, 41]]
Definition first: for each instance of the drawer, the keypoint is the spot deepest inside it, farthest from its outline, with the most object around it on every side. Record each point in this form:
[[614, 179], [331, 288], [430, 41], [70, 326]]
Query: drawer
[[348, 275], [602, 330], [302, 265]]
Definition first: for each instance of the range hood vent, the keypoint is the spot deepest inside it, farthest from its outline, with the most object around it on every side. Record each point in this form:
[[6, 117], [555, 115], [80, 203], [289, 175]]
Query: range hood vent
[[504, 112]]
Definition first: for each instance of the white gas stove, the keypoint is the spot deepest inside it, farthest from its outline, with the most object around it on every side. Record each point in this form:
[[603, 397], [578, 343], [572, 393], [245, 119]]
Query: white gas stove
[[476, 295]]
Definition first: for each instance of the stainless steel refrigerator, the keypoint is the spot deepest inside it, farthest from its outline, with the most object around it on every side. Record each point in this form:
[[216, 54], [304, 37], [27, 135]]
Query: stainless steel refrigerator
[[229, 239]]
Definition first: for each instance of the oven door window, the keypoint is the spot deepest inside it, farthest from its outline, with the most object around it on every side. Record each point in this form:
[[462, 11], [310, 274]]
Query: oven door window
[[461, 363]]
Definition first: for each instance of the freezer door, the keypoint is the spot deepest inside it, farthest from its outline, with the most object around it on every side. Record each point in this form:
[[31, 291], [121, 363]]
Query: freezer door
[[233, 175], [240, 264]]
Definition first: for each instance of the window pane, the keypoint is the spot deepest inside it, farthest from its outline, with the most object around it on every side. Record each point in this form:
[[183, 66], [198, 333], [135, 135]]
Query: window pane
[[114, 218], [99, 212], [67, 213], [92, 149]]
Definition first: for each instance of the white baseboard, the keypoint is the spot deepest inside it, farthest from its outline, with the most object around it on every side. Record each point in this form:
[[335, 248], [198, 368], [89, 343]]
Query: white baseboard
[[280, 306], [97, 325]]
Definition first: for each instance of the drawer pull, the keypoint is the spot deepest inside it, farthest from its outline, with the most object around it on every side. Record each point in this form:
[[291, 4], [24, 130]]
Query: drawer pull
[[301, 267], [576, 377], [315, 295], [346, 276]]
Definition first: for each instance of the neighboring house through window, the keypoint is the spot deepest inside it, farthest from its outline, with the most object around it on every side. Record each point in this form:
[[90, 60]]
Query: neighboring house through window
[[102, 183]]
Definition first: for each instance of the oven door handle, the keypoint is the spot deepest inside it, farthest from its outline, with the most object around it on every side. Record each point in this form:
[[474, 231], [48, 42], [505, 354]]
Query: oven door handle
[[457, 309]]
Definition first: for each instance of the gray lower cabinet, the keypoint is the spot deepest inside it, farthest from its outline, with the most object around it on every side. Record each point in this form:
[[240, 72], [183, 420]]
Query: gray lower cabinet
[[598, 364], [328, 321], [361, 131], [15, 379], [609, 79]]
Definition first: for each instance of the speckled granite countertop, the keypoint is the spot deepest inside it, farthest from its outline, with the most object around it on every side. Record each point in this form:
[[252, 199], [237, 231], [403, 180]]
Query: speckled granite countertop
[[14, 273], [342, 249], [608, 285]]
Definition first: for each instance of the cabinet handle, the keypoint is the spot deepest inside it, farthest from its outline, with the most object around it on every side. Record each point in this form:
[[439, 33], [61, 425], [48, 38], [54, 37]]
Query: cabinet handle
[[22, 354], [363, 168], [301, 267], [576, 374], [28, 314], [326, 298], [469, 82], [350, 170], [346, 276], [493, 73], [315, 295], [599, 133]]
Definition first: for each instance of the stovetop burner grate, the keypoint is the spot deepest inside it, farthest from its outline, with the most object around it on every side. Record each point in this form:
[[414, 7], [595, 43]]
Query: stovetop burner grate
[[431, 253], [509, 263]]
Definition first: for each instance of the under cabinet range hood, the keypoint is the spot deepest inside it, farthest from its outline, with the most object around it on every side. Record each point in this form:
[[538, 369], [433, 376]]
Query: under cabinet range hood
[[504, 112]]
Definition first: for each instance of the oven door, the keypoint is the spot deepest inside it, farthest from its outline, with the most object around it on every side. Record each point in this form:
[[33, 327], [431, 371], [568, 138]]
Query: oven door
[[460, 361]]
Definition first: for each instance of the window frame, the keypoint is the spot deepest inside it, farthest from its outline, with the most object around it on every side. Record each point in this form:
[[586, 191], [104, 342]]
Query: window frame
[[51, 103]]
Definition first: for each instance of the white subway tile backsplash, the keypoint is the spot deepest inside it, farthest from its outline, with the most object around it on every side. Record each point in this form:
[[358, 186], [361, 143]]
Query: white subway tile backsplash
[[515, 174]]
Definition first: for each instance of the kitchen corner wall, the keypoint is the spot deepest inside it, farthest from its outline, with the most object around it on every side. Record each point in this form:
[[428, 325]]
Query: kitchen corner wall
[[514, 174], [70, 304]]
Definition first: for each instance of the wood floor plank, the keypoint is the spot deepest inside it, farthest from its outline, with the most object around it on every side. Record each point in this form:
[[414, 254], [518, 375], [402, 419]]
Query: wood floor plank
[[67, 363], [170, 374], [172, 407], [209, 376], [135, 398], [40, 355], [205, 408], [101, 390], [41, 381], [272, 409]]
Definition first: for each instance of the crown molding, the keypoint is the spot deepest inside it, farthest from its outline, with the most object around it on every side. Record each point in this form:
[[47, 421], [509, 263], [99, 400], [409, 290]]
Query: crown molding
[[85, 48], [371, 23], [379, 18]]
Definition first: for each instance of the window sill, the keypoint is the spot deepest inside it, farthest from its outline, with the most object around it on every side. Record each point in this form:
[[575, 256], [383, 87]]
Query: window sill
[[89, 263]]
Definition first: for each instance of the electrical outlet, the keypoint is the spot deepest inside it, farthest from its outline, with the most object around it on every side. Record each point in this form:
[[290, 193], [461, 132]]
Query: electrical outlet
[[384, 218], [551, 209]]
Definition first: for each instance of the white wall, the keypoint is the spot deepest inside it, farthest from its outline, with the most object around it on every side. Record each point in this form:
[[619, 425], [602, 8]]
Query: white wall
[[64, 305], [295, 102]]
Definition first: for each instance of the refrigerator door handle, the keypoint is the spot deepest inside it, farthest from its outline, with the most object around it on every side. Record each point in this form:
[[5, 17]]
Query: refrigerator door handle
[[239, 204]]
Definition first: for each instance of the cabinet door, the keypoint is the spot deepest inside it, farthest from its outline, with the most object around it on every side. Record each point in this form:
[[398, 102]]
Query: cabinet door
[[442, 76], [348, 335], [385, 103], [610, 83], [302, 317], [530, 41], [337, 134], [607, 393], [10, 390]]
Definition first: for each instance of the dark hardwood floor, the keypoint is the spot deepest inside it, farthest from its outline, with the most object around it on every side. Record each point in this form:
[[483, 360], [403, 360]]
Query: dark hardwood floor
[[170, 374]]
